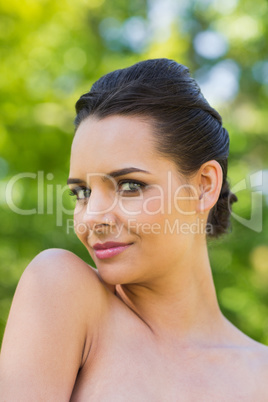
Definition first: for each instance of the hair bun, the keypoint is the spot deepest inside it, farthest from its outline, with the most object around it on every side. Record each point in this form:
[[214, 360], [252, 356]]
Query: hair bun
[[219, 216], [226, 193]]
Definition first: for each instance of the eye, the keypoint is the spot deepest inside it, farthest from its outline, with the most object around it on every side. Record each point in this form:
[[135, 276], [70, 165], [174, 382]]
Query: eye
[[81, 193], [130, 187]]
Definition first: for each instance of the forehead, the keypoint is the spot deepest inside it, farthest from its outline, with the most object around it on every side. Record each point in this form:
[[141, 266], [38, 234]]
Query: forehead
[[120, 140]]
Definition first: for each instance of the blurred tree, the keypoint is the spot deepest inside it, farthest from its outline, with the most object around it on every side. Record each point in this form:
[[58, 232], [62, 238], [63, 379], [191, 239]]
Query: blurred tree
[[52, 52]]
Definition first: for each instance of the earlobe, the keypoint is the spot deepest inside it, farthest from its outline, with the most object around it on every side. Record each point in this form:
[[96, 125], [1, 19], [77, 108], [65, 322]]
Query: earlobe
[[209, 184]]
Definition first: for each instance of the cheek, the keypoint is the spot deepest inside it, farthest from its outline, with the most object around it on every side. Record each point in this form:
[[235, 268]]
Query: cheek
[[149, 222], [154, 206], [149, 209], [147, 205], [162, 218], [167, 203], [129, 206]]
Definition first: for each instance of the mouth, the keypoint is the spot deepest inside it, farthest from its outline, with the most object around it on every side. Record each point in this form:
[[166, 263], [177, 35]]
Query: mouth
[[109, 249]]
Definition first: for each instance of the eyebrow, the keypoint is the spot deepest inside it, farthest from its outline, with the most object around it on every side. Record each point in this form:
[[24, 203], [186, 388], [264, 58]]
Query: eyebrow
[[114, 173]]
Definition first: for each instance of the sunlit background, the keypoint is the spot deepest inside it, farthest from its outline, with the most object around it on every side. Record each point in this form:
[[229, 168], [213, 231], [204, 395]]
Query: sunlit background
[[52, 52]]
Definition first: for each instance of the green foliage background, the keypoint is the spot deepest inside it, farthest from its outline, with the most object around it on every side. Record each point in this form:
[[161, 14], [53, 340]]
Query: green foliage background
[[52, 52]]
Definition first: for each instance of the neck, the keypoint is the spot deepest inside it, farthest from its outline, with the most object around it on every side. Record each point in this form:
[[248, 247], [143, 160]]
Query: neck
[[182, 304]]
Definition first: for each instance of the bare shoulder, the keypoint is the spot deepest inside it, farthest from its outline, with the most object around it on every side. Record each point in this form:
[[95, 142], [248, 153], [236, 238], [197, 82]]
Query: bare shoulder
[[58, 262], [52, 320], [248, 363], [60, 272], [65, 278], [257, 364], [260, 351]]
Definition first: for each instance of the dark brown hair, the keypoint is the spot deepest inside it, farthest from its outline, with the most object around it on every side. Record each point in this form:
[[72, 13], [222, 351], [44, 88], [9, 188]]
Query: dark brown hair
[[187, 129]]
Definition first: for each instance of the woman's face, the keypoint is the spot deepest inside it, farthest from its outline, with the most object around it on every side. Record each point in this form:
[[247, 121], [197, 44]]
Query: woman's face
[[128, 193]]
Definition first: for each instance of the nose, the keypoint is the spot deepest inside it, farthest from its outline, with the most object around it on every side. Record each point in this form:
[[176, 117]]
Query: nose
[[99, 212]]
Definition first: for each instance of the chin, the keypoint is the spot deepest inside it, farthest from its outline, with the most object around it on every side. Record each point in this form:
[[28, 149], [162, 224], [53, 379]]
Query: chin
[[116, 274]]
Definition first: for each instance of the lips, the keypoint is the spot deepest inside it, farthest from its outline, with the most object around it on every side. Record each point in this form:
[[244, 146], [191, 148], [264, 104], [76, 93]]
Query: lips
[[109, 249], [108, 244]]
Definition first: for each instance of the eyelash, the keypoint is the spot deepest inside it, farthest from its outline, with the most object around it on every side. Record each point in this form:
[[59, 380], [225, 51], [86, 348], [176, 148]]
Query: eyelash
[[86, 191], [139, 183], [75, 193]]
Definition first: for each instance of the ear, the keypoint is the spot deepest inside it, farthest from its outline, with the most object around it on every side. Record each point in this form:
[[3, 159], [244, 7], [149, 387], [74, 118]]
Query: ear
[[209, 185]]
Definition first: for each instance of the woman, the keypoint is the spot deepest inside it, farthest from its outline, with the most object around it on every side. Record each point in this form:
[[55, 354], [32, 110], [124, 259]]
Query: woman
[[148, 168]]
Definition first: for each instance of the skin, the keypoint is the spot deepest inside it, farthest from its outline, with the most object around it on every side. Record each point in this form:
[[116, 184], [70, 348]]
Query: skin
[[146, 325]]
